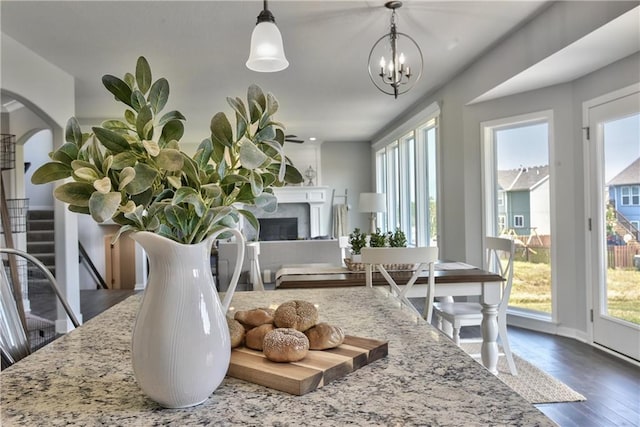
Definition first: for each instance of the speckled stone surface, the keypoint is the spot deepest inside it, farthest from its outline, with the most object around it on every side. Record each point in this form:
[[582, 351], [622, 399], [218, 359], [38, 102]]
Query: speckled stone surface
[[85, 378]]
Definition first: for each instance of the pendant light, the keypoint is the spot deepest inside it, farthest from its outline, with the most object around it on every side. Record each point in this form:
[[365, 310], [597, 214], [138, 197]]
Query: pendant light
[[395, 60], [267, 52]]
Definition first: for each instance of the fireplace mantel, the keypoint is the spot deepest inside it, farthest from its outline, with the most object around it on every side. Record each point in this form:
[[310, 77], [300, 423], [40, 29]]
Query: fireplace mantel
[[319, 202]]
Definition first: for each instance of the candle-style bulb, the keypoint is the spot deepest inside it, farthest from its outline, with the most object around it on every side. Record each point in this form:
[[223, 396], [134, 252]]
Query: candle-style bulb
[[382, 62], [401, 58]]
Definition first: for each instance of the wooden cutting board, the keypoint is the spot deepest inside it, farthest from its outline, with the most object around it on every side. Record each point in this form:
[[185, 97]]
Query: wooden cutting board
[[315, 370]]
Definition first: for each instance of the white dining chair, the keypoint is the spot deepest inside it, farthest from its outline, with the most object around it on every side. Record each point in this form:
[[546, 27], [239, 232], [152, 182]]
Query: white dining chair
[[14, 341], [421, 258], [499, 259]]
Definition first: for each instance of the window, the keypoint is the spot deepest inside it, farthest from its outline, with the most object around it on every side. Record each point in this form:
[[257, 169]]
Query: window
[[636, 224], [625, 192], [630, 195], [517, 191], [518, 221], [406, 172]]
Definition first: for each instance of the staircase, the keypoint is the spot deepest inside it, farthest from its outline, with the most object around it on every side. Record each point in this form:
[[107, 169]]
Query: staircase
[[40, 242]]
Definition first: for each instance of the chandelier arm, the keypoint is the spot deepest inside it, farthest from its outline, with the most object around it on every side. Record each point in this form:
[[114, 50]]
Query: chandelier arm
[[374, 79]]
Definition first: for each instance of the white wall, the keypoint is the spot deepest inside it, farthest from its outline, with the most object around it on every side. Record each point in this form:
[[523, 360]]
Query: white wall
[[347, 166], [48, 92], [36, 150]]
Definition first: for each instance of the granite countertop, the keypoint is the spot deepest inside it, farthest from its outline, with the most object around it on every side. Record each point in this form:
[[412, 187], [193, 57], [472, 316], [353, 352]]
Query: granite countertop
[[85, 378]]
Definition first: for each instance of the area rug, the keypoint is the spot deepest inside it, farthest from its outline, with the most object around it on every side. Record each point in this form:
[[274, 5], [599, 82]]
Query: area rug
[[533, 384]]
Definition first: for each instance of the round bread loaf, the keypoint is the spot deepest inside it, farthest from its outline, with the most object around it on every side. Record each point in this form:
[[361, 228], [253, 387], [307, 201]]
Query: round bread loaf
[[324, 336], [296, 314], [255, 337], [236, 331], [255, 317], [285, 345]]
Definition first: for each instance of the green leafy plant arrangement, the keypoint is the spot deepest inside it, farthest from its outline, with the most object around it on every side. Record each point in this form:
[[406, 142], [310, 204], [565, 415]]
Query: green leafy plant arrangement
[[357, 240], [378, 239], [132, 171], [397, 239]]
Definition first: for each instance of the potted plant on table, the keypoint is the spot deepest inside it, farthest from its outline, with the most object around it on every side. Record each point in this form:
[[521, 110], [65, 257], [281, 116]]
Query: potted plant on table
[[133, 172], [378, 239], [357, 241]]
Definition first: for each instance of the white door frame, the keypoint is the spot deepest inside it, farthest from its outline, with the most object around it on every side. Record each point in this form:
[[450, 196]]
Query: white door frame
[[594, 180]]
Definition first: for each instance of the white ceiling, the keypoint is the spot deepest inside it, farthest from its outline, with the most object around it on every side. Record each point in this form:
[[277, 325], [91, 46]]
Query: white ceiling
[[201, 48]]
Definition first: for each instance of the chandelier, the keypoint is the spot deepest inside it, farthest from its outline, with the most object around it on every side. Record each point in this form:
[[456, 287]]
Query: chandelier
[[393, 74]]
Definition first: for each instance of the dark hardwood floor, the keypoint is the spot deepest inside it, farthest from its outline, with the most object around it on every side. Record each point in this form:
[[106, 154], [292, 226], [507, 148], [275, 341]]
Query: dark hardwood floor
[[610, 385]]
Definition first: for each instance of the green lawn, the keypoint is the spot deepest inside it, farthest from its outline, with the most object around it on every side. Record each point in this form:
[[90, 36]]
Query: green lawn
[[532, 290]]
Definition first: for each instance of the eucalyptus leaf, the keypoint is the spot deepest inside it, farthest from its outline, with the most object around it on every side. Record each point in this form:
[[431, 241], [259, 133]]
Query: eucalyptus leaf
[[86, 174], [174, 129], [79, 209], [102, 185], [173, 144], [124, 159], [138, 100], [212, 191], [159, 94], [279, 136], [145, 175], [51, 171], [143, 74], [251, 218], [256, 184], [113, 141], [266, 134], [130, 117], [256, 101], [190, 170], [221, 132], [234, 179], [272, 104], [170, 160], [118, 88], [203, 153], [171, 115], [72, 132], [151, 147], [190, 196], [250, 155], [145, 116], [103, 206], [174, 181], [144, 198], [67, 153], [217, 154], [74, 193], [267, 202], [130, 80], [116, 125], [238, 106], [127, 175]]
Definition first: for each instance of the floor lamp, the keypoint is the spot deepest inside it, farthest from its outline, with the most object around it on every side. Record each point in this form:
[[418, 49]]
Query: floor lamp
[[372, 203]]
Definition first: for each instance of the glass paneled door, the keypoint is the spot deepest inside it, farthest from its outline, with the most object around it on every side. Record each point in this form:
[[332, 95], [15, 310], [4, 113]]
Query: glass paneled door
[[614, 188]]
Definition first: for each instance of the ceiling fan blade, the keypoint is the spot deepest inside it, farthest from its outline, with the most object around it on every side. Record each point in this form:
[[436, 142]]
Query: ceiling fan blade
[[293, 138]]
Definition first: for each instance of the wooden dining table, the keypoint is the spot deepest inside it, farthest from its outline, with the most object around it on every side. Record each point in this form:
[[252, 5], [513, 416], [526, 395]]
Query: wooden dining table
[[451, 279], [85, 378]]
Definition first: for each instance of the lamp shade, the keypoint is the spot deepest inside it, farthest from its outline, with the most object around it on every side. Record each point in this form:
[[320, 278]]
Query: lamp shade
[[372, 202], [267, 51]]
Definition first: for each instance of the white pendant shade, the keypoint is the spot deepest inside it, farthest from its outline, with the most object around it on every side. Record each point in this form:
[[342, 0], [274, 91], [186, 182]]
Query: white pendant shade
[[267, 51]]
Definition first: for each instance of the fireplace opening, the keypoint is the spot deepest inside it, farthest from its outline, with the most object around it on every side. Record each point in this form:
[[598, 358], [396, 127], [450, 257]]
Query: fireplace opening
[[278, 228]]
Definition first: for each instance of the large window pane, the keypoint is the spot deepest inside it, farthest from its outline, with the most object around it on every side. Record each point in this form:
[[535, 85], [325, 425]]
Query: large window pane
[[523, 211]]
